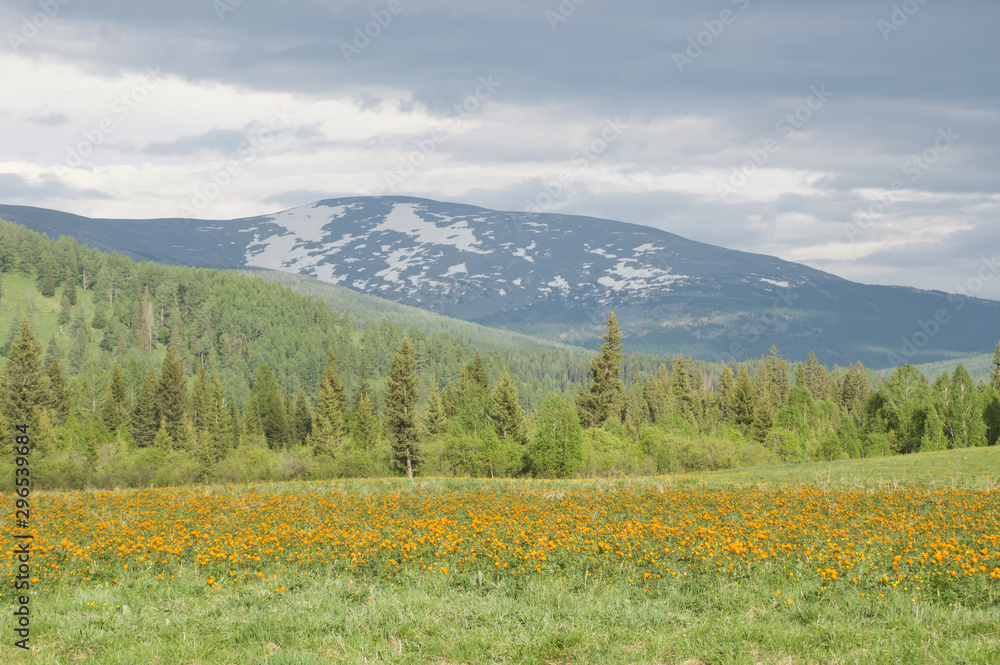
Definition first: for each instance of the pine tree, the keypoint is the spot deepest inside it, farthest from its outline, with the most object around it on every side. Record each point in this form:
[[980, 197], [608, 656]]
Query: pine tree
[[680, 386], [401, 397], [636, 411], [776, 378], [171, 394], [79, 353], [69, 287], [743, 399], [329, 426], [59, 392], [220, 435], [363, 389], [474, 374], [47, 276], [145, 418], [270, 407], [933, 433], [302, 419], [816, 378], [65, 309], [995, 368], [763, 418], [163, 440], [437, 420], [506, 412], [23, 383], [117, 411], [606, 389], [724, 389]]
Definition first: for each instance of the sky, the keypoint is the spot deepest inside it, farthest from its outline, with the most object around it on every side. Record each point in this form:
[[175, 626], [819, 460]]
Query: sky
[[860, 137]]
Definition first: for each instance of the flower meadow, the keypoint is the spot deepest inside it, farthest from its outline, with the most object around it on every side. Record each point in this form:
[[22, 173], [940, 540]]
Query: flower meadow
[[923, 542]]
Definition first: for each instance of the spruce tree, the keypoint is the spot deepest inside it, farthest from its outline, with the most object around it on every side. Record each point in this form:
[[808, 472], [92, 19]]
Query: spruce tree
[[606, 389], [995, 368], [23, 383], [117, 404], [506, 412], [302, 419], [171, 394], [271, 407], [474, 374], [437, 420], [401, 397], [59, 392], [330, 412], [145, 418], [742, 401], [722, 392], [65, 309], [680, 386]]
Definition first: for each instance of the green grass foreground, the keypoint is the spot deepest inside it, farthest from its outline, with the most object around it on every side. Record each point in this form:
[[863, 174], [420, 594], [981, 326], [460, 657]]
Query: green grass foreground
[[331, 614]]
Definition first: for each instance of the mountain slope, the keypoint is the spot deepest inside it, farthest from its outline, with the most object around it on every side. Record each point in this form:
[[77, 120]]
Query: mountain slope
[[558, 276]]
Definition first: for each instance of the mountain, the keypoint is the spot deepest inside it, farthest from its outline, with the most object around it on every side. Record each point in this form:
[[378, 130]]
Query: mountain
[[558, 277]]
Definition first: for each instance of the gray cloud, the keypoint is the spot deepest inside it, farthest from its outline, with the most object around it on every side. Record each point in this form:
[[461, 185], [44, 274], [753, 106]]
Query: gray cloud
[[892, 93]]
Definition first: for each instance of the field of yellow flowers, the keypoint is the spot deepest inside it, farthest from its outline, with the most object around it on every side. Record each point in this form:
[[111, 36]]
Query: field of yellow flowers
[[779, 548], [920, 540]]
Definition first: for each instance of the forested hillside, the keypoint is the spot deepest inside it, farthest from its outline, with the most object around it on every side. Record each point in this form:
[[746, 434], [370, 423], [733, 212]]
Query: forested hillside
[[133, 374]]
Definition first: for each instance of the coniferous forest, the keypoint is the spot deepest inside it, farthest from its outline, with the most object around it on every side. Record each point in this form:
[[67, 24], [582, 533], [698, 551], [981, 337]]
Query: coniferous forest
[[137, 374]]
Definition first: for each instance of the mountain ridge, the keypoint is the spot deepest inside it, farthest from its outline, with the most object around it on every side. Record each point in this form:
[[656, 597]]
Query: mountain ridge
[[559, 276]]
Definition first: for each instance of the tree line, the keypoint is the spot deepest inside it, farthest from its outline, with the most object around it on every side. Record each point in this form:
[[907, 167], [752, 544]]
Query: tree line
[[166, 375]]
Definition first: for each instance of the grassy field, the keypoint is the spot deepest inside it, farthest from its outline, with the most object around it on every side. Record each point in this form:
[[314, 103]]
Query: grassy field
[[870, 561]]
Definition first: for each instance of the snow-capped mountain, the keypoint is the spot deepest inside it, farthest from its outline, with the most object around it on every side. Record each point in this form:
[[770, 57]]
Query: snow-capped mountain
[[559, 276]]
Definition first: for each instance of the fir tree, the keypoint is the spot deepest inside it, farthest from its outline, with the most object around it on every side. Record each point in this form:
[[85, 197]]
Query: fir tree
[[271, 407], [743, 398], [763, 418], [23, 383], [995, 368], [437, 419], [606, 389], [506, 412], [69, 287], [330, 409], [401, 397], [59, 392], [680, 386], [724, 389], [47, 277], [171, 394], [65, 309], [302, 420], [117, 411], [145, 418], [474, 374]]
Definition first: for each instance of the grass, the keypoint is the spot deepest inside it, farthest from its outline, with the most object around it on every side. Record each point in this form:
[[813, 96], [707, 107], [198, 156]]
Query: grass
[[977, 468], [240, 601]]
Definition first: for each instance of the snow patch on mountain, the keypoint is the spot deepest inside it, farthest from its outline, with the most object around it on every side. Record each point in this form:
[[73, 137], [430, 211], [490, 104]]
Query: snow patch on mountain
[[404, 219]]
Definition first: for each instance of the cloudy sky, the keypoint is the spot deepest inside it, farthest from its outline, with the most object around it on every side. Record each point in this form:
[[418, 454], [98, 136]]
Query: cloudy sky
[[859, 136]]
